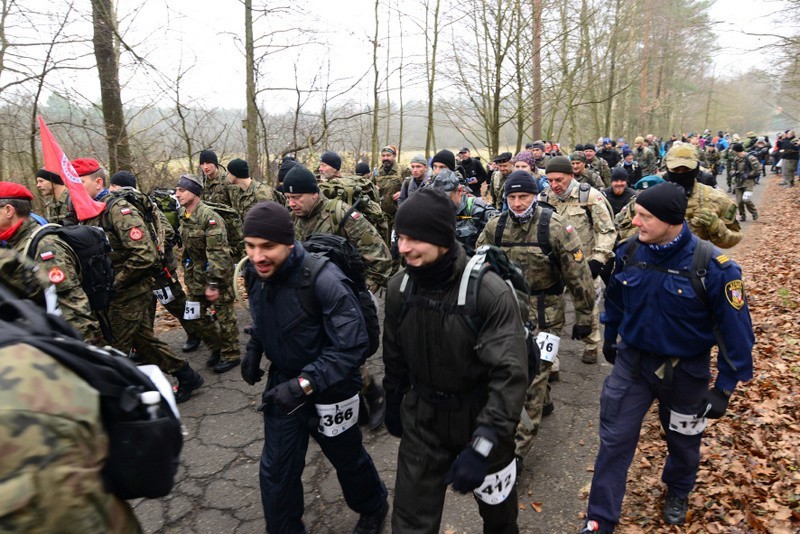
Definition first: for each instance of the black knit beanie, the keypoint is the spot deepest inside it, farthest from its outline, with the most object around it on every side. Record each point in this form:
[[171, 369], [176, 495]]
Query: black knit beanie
[[123, 179], [666, 201], [445, 157], [559, 164], [49, 176], [239, 168], [209, 156], [362, 169], [269, 220], [428, 215], [300, 180], [331, 158], [520, 182], [618, 173], [286, 166]]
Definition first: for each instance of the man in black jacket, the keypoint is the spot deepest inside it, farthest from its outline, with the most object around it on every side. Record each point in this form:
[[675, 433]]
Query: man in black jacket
[[474, 173], [313, 383], [789, 152], [454, 395]]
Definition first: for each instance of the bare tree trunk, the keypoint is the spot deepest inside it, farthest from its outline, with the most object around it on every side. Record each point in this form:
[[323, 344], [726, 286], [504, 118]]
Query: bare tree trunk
[[104, 23], [537, 68], [431, 72], [376, 97], [252, 122], [643, 103], [400, 94]]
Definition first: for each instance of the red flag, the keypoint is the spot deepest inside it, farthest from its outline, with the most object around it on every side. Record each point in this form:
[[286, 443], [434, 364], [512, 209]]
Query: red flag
[[56, 161]]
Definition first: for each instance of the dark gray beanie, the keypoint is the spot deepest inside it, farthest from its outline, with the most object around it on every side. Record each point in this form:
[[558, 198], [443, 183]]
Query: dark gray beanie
[[191, 183], [618, 173], [124, 179], [446, 158], [520, 182], [209, 156], [300, 180], [331, 158], [559, 164], [269, 220], [428, 215]]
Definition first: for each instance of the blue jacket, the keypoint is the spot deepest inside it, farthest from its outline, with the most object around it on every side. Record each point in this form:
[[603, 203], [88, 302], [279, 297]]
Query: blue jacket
[[660, 312], [327, 348]]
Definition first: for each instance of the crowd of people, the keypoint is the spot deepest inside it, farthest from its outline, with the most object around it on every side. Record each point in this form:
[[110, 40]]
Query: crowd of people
[[463, 388]]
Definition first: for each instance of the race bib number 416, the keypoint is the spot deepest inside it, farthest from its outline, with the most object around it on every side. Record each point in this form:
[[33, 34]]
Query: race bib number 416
[[336, 418], [548, 346]]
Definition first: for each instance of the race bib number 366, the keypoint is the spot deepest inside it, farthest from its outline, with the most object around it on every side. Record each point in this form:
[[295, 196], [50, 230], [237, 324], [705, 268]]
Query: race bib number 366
[[497, 487], [336, 418]]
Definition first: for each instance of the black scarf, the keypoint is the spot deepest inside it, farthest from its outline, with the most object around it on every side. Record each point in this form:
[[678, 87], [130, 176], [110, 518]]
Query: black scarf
[[685, 180], [436, 274]]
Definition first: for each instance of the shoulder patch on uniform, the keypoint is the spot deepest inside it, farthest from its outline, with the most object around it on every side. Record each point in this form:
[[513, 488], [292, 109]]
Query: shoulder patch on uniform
[[135, 233], [734, 292], [570, 229], [722, 259], [355, 215], [212, 222], [56, 275], [125, 211], [49, 255], [578, 255]]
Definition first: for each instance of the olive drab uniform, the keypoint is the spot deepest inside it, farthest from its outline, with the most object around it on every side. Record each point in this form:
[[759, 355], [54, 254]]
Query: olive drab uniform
[[547, 277], [136, 261], [54, 448], [746, 169], [600, 166], [497, 185], [593, 221], [591, 177], [389, 182], [345, 187], [217, 189], [724, 233], [330, 217], [206, 260], [244, 199], [646, 159], [56, 210], [58, 262]]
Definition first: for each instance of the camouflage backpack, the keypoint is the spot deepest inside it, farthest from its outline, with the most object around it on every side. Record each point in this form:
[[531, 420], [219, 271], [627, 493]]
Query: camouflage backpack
[[147, 209], [233, 225], [168, 204], [360, 194]]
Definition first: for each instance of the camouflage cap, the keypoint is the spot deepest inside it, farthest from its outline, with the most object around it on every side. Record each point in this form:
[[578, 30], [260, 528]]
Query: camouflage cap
[[751, 134], [682, 155], [736, 137], [446, 180], [577, 156]]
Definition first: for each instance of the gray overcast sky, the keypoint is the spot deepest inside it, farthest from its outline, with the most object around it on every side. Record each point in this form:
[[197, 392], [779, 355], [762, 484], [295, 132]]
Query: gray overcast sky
[[204, 32]]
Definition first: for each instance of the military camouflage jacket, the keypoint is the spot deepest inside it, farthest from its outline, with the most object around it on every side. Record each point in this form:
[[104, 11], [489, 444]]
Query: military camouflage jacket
[[591, 177], [646, 159], [592, 220], [55, 258], [724, 235], [54, 448], [217, 189], [326, 217], [388, 184], [571, 266], [600, 166], [244, 199], [746, 168], [56, 210], [497, 185], [206, 256]]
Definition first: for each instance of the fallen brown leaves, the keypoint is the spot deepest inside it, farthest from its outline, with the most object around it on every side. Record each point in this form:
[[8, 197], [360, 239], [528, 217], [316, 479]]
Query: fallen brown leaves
[[749, 477]]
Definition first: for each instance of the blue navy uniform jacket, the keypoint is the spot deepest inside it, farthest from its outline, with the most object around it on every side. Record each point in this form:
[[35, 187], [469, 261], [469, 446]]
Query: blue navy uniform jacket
[[327, 349], [660, 312]]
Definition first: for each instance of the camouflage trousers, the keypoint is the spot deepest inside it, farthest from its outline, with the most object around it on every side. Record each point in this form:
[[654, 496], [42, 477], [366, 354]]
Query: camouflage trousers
[[132, 327], [538, 394], [788, 168], [593, 341], [746, 186], [217, 325], [176, 307]]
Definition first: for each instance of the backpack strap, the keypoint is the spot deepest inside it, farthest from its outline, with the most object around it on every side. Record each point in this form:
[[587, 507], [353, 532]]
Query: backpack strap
[[312, 265], [37, 236]]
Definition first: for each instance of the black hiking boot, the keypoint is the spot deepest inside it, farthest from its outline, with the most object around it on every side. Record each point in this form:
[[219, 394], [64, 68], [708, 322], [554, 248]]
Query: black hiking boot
[[191, 345], [375, 399], [675, 509], [188, 381], [214, 358], [372, 524]]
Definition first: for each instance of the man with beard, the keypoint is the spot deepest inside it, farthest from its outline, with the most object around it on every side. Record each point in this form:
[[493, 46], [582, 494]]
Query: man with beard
[[619, 194]]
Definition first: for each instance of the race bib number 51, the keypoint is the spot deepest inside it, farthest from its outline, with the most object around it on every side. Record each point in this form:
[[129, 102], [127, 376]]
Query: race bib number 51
[[336, 418], [191, 311], [497, 487]]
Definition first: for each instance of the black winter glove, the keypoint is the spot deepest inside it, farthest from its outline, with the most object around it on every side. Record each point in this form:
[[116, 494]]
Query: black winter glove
[[286, 396], [580, 331], [715, 404], [609, 351], [468, 471], [251, 363], [595, 266], [392, 420]]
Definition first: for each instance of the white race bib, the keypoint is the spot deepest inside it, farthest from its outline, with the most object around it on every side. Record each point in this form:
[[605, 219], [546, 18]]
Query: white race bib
[[336, 418], [496, 487], [51, 300], [747, 195], [191, 311], [688, 425], [548, 346], [164, 295]]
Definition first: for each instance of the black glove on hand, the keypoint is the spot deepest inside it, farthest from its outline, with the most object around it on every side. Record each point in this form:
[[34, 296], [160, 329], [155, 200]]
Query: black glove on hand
[[580, 332], [609, 351], [715, 404], [468, 471], [286, 396], [392, 420], [251, 364], [595, 266]]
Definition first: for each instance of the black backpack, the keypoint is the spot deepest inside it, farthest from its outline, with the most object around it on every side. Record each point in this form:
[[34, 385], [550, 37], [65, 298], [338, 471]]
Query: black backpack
[[487, 258], [339, 251], [90, 245], [144, 451], [147, 209]]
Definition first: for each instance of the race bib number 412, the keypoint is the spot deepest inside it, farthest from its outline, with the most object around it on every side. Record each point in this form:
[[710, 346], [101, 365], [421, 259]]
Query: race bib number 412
[[497, 487]]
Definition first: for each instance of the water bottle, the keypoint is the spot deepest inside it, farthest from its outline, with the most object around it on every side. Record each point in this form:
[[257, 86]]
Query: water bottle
[[152, 400]]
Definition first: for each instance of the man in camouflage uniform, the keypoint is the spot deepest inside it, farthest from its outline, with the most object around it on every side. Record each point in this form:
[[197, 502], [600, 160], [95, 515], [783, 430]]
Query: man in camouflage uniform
[[53, 257], [598, 165], [710, 213], [208, 275], [389, 179], [644, 156], [539, 157], [498, 180], [589, 213], [746, 169], [472, 213], [56, 196], [215, 179], [728, 156], [584, 174], [516, 232], [54, 449], [136, 261], [246, 192], [314, 214]]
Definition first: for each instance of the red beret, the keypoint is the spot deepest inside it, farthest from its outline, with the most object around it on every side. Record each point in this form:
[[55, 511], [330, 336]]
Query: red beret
[[84, 166], [12, 190]]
